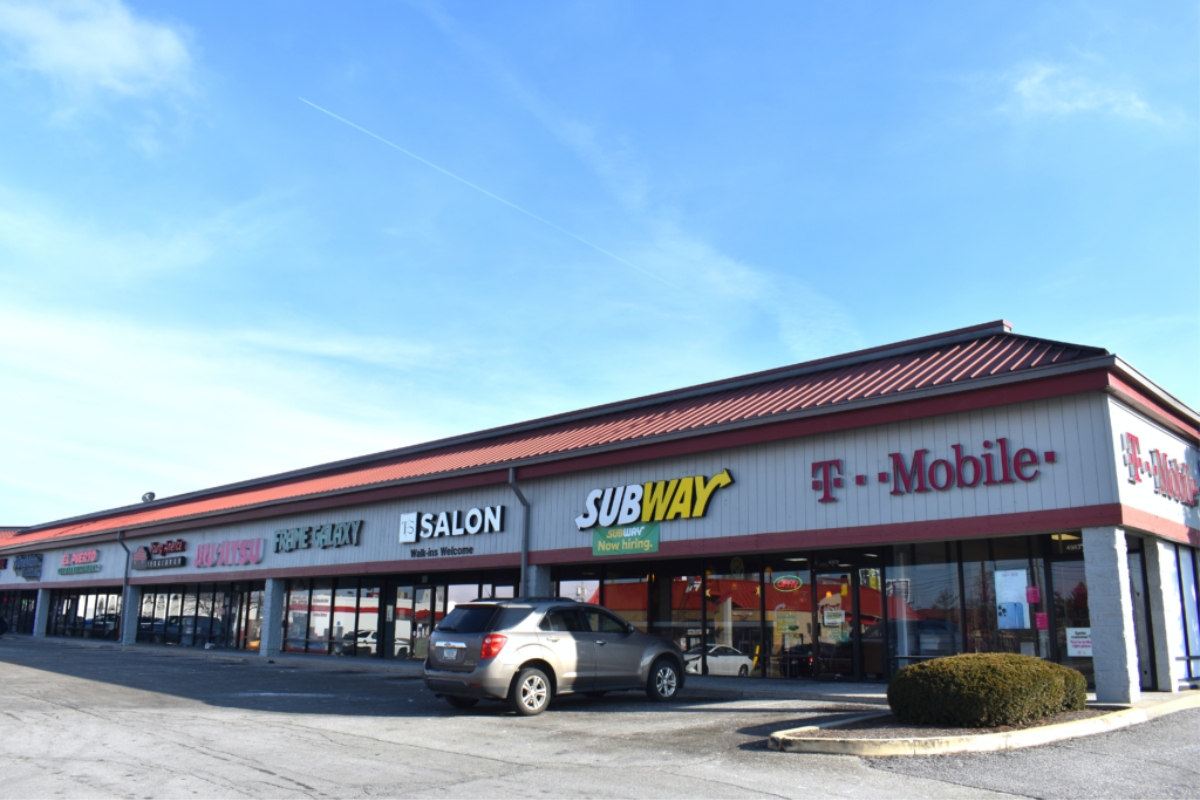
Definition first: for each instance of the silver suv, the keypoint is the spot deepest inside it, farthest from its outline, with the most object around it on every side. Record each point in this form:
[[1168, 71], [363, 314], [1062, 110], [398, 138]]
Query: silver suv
[[531, 649]]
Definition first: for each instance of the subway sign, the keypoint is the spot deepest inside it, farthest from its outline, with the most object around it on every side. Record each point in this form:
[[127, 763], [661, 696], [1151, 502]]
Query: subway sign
[[655, 501]]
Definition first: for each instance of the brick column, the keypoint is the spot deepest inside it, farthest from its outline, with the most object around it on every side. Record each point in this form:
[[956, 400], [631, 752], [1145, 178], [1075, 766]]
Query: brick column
[[131, 608], [271, 642], [1110, 606], [41, 612], [539, 581]]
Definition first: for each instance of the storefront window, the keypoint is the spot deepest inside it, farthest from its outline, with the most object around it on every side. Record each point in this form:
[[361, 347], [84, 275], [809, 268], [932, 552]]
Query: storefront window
[[789, 640], [1073, 626], [217, 632], [187, 621], [367, 627], [343, 633], [734, 615], [18, 607], [423, 619], [835, 619], [1004, 592], [92, 615], [252, 636], [1191, 609], [582, 591], [319, 620], [923, 603], [677, 610], [628, 593], [460, 593], [870, 619], [403, 625], [296, 619]]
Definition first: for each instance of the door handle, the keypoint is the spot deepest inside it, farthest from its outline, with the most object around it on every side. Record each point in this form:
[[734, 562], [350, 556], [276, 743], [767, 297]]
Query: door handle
[[552, 638], [601, 642]]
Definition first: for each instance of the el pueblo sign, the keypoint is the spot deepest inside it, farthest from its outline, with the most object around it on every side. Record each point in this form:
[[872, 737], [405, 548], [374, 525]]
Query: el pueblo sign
[[76, 563]]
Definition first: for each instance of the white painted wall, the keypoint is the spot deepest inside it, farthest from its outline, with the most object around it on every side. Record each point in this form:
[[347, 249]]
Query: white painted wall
[[1151, 436]]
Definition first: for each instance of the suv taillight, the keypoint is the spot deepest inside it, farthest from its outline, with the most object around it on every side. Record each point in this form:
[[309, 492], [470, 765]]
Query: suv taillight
[[493, 643]]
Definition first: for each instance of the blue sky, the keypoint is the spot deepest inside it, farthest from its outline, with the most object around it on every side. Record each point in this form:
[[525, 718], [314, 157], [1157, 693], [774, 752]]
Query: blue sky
[[204, 279]]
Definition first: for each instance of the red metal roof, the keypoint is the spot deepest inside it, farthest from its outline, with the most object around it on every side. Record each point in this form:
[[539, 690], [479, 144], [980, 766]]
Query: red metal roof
[[804, 387]]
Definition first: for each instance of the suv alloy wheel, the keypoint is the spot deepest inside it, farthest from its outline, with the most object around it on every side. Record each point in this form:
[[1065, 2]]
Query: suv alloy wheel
[[530, 692], [664, 680]]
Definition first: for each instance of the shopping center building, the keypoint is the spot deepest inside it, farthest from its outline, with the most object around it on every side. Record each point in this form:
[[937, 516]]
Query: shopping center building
[[972, 491]]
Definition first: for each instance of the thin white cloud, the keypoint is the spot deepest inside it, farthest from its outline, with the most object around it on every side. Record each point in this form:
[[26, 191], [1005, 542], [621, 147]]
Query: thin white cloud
[[712, 284], [1053, 89], [87, 46], [111, 408]]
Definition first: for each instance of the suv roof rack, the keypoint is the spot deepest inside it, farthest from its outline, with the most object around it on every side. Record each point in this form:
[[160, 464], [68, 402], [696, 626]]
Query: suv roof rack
[[542, 599]]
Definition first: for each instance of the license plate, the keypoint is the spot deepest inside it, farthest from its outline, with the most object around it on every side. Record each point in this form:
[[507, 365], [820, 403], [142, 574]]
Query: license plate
[[449, 653]]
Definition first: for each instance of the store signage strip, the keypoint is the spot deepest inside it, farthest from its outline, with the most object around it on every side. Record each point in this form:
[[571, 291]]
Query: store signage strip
[[918, 474], [28, 566], [80, 562], [338, 534], [654, 501], [1172, 478], [233, 553], [625, 540], [160, 555], [489, 519]]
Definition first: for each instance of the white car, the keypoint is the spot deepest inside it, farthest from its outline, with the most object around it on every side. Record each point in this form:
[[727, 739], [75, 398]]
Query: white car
[[722, 660]]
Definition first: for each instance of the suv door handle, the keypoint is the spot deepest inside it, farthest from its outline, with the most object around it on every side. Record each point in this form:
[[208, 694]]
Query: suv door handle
[[601, 642], [552, 638]]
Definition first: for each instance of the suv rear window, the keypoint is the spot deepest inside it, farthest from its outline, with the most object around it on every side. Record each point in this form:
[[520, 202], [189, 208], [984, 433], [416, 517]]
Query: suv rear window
[[468, 619]]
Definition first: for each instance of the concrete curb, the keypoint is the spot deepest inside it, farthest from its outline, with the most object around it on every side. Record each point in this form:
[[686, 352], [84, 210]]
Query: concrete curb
[[795, 740]]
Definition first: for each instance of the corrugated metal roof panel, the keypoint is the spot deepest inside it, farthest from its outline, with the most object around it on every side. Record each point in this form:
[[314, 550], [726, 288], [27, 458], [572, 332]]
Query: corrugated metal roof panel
[[888, 375]]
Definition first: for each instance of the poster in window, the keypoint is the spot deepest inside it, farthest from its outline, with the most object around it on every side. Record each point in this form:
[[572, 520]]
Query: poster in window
[[1012, 613], [1079, 642]]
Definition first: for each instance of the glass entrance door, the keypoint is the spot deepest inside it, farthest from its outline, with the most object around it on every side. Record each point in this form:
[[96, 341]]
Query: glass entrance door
[[833, 655]]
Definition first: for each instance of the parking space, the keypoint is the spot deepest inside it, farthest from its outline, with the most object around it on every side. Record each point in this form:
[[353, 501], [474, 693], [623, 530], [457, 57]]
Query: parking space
[[87, 721], [83, 721]]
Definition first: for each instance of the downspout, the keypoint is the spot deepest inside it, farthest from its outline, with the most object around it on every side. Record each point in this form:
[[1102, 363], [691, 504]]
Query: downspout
[[512, 482], [124, 579]]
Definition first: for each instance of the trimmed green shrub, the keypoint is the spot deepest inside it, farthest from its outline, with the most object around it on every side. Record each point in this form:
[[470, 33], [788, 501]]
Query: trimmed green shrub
[[984, 690]]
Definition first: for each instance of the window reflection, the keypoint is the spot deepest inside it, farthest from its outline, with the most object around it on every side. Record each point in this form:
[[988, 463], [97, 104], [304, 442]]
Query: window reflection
[[734, 637], [922, 592]]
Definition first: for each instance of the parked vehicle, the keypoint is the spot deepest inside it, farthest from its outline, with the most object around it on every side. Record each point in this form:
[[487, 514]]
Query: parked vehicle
[[529, 650], [722, 660]]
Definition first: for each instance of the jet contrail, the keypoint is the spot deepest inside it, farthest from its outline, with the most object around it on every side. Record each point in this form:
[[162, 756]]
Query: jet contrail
[[508, 203]]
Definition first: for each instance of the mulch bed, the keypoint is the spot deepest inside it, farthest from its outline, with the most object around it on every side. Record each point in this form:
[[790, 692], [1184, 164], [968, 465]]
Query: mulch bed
[[891, 728]]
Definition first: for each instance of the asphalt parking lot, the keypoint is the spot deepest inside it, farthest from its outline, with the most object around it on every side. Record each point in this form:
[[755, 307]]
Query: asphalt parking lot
[[79, 721]]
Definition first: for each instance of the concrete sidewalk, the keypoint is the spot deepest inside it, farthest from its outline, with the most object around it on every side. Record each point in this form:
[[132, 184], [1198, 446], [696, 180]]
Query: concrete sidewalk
[[696, 686]]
